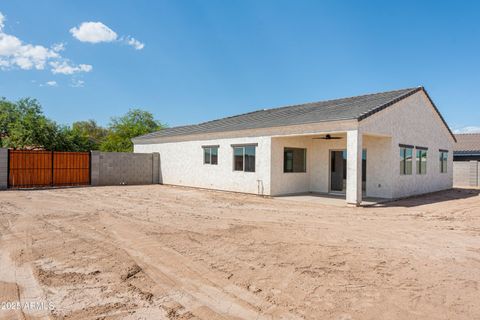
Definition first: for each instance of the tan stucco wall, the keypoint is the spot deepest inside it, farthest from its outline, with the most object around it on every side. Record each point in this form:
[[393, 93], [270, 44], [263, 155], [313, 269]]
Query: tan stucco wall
[[317, 177], [414, 121], [181, 163], [291, 182]]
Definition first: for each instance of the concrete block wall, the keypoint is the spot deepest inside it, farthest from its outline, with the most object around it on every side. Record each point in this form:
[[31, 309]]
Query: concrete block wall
[[474, 168], [466, 173], [3, 168], [118, 168]]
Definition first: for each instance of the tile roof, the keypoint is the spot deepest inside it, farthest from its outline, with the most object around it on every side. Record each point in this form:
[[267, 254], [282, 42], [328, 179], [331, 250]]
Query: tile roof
[[468, 143], [358, 107]]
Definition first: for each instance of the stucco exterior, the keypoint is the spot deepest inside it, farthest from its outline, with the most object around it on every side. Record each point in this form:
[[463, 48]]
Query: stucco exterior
[[182, 164], [413, 121]]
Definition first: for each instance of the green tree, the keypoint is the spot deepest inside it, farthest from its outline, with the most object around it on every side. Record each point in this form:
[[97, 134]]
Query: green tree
[[91, 133], [29, 128], [9, 114], [122, 129]]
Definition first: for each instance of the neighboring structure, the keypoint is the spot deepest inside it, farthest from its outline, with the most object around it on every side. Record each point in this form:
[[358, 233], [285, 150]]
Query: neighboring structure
[[466, 157], [467, 147], [389, 145]]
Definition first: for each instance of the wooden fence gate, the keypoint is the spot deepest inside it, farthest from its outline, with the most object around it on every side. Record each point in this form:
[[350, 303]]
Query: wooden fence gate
[[30, 169]]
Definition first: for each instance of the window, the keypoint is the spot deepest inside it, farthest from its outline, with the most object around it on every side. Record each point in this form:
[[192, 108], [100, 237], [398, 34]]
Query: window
[[406, 153], [210, 154], [443, 161], [244, 158], [294, 160], [421, 160]]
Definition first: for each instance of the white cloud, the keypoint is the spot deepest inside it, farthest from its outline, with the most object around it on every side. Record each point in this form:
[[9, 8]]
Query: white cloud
[[77, 83], [93, 32], [16, 54], [58, 47], [64, 67], [51, 83], [131, 41], [2, 21], [96, 32], [469, 129]]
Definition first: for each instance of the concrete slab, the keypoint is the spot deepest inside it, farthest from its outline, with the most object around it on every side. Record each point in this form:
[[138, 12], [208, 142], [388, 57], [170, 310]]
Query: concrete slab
[[329, 199]]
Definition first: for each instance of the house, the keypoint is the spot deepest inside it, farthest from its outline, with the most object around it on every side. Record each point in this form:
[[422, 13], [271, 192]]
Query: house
[[466, 160], [467, 147], [389, 145]]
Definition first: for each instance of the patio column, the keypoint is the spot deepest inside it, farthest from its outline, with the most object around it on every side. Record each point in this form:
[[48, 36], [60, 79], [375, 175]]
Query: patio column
[[354, 167]]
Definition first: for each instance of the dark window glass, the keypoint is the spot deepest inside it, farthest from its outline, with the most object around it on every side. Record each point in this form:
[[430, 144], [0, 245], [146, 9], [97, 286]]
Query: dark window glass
[[421, 161], [294, 160], [250, 158], [244, 158], [443, 161], [406, 155], [210, 155], [206, 155], [238, 158], [214, 155], [408, 161], [402, 160]]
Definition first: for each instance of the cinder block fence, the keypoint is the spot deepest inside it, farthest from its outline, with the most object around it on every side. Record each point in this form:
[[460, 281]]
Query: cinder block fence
[[26, 169], [466, 173], [116, 168]]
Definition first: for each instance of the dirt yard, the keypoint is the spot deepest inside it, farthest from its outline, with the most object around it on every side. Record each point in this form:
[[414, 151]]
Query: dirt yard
[[157, 252]]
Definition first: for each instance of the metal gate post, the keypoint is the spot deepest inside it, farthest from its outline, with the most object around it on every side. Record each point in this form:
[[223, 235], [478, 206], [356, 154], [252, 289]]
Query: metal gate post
[[52, 167], [8, 168], [90, 168]]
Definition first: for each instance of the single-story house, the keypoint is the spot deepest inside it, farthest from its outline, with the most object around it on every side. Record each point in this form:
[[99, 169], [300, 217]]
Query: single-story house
[[385, 145], [467, 147], [466, 160]]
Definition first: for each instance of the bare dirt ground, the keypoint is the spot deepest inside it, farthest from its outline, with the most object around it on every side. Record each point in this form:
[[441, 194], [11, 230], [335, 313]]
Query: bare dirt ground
[[158, 252]]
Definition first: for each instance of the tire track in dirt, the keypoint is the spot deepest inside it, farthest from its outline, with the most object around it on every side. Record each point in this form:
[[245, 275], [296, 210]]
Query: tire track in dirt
[[191, 284]]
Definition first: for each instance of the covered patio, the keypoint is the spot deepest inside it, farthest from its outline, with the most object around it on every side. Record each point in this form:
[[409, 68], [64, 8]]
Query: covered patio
[[336, 165]]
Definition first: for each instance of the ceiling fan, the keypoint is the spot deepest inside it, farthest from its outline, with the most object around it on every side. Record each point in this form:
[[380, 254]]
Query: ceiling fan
[[328, 137]]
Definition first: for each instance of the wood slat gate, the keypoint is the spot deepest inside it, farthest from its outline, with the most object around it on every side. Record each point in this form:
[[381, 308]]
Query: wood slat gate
[[31, 169]]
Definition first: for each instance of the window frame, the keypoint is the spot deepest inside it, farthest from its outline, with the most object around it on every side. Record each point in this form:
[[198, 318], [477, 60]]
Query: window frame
[[421, 156], [210, 159], [443, 160], [404, 160], [291, 149], [244, 147]]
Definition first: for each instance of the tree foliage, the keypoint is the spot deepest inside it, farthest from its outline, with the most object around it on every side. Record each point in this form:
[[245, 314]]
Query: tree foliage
[[24, 126], [122, 129], [89, 130]]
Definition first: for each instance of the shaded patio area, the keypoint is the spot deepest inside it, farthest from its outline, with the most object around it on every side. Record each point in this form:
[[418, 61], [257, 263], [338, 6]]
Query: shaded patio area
[[329, 199]]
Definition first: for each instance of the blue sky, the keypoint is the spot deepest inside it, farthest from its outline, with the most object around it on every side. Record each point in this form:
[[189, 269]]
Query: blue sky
[[205, 59]]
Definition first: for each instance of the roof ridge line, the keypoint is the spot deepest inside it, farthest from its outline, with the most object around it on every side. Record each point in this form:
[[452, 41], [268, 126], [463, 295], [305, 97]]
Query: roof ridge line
[[308, 103], [389, 103]]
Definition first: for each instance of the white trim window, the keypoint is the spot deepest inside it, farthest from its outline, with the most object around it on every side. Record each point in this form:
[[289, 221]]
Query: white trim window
[[421, 160], [244, 157], [210, 155], [443, 161]]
